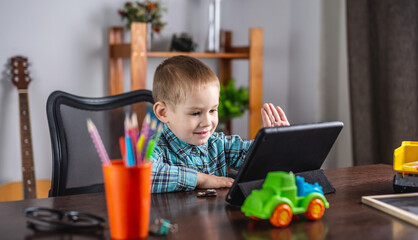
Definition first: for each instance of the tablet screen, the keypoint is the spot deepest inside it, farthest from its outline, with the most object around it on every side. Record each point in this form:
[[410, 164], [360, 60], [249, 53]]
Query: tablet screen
[[296, 148]]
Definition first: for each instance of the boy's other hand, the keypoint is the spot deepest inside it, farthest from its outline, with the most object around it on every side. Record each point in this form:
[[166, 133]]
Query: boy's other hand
[[273, 116], [212, 181]]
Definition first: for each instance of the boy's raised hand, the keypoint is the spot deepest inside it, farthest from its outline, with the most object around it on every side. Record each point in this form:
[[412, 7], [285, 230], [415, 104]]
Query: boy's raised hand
[[212, 181], [273, 116]]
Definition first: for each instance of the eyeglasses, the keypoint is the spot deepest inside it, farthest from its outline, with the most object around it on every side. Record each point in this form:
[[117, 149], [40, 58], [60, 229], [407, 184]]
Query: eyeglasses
[[46, 219]]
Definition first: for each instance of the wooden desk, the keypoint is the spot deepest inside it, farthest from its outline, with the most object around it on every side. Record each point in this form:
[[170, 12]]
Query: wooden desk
[[212, 218]]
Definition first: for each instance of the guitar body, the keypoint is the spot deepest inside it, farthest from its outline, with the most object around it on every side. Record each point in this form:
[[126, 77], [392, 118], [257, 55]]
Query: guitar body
[[13, 191], [28, 186]]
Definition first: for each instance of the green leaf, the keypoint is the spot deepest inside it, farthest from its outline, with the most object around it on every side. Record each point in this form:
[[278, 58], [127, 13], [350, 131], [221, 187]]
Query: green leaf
[[233, 101]]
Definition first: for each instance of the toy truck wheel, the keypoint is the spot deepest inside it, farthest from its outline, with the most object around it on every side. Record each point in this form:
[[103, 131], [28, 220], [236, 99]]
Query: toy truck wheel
[[282, 215], [315, 209]]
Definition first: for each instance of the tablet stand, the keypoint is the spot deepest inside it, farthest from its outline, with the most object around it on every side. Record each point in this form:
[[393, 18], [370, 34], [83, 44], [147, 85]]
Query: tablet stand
[[310, 177]]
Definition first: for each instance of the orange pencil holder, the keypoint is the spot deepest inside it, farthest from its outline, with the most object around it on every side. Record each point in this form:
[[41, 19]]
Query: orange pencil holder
[[128, 197]]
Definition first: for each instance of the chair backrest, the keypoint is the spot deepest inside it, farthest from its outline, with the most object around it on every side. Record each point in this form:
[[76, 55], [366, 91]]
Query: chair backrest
[[76, 166]]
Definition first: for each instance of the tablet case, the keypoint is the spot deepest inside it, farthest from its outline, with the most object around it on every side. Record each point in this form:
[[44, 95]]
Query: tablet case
[[301, 149]]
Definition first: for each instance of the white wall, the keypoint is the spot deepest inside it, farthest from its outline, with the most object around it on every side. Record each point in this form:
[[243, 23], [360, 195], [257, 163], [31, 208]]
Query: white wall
[[67, 46], [66, 41]]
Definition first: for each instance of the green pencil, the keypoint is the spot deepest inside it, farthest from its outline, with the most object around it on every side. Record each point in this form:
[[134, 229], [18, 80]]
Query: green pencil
[[150, 149]]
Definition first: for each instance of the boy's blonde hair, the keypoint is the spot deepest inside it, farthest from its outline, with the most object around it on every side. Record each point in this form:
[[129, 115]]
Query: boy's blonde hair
[[179, 75]]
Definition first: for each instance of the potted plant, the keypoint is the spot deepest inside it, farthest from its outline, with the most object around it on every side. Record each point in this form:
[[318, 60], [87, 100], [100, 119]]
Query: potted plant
[[144, 11], [233, 102]]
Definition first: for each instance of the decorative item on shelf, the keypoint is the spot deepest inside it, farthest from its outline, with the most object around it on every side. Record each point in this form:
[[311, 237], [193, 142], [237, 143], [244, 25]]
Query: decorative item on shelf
[[233, 102], [147, 11], [150, 35], [214, 31], [183, 43]]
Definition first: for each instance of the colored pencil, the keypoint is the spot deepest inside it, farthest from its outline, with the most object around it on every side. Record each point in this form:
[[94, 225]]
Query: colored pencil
[[122, 147], [140, 146], [150, 149], [158, 132], [130, 159], [145, 125], [97, 141], [148, 136], [153, 142], [133, 132]]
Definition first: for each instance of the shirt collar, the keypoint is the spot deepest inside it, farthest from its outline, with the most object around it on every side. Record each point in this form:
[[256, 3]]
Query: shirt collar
[[180, 145]]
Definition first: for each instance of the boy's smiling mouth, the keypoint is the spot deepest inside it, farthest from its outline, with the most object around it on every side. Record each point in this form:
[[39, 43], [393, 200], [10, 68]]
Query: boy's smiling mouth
[[202, 133]]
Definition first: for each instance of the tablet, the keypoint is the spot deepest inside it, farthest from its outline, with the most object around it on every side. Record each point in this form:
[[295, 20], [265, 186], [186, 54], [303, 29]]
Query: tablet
[[296, 148]]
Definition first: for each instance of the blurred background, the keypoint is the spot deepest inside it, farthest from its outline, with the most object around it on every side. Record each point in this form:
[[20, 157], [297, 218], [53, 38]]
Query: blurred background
[[305, 69]]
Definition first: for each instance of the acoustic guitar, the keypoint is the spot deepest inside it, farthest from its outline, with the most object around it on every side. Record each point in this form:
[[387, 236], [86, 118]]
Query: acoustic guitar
[[31, 188]]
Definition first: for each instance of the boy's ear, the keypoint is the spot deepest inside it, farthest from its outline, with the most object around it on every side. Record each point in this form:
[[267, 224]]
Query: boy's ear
[[160, 111]]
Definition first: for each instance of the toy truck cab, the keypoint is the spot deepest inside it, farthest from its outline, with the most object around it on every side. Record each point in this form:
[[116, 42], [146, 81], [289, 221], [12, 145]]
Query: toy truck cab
[[283, 195], [405, 158]]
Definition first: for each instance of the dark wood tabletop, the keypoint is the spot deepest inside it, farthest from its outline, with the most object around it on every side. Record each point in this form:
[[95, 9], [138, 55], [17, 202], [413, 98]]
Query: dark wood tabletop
[[213, 218]]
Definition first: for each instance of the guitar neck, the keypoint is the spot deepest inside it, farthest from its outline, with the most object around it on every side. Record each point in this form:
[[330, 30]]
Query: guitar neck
[[28, 171]]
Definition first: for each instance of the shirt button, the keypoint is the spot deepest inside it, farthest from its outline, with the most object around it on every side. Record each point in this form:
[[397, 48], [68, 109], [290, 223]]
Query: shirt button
[[193, 149]]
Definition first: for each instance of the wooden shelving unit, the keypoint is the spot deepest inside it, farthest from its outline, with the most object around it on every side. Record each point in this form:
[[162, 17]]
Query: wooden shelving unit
[[136, 51]]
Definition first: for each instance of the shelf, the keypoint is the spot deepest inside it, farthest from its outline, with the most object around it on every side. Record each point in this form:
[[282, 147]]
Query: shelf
[[124, 51], [200, 55], [136, 51]]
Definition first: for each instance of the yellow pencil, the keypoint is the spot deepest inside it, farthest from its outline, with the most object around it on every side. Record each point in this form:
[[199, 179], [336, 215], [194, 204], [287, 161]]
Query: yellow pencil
[[140, 146]]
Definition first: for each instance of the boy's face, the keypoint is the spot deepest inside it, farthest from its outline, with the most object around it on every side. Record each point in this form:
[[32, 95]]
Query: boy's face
[[195, 119]]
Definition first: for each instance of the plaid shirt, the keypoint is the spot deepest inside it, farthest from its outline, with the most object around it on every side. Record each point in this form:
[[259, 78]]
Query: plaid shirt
[[176, 163]]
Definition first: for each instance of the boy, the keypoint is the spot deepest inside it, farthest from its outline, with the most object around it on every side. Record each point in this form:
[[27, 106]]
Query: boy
[[190, 154]]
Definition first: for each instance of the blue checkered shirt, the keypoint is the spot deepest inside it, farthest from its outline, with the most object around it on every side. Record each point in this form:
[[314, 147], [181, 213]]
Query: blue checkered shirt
[[176, 163]]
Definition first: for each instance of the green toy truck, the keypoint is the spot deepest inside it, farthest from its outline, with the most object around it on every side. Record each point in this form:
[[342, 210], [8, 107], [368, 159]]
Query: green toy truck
[[284, 195]]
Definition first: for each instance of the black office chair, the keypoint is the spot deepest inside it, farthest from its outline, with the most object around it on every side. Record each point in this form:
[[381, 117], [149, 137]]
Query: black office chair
[[76, 166]]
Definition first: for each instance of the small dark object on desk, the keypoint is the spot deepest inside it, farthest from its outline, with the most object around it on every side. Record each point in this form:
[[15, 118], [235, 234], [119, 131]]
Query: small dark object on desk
[[207, 193], [183, 43]]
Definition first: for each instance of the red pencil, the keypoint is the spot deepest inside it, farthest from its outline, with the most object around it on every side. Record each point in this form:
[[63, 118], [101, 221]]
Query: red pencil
[[122, 147]]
